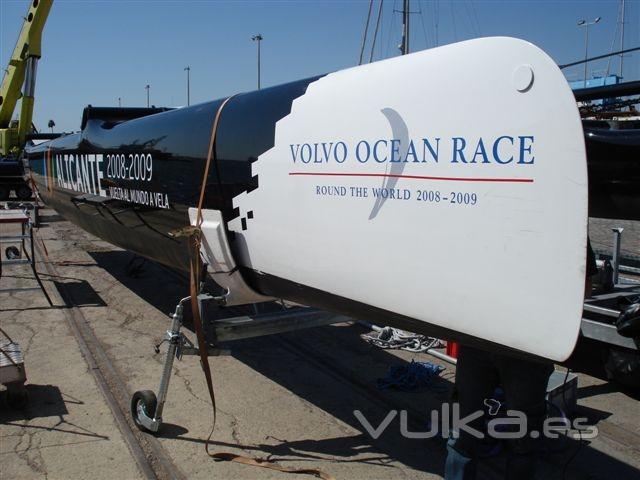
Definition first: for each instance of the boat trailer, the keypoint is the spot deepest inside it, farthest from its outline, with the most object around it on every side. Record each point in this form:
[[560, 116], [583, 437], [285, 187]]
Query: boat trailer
[[598, 323], [147, 407]]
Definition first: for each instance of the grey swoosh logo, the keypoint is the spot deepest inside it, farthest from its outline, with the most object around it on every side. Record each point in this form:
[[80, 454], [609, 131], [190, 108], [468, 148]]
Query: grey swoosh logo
[[400, 132]]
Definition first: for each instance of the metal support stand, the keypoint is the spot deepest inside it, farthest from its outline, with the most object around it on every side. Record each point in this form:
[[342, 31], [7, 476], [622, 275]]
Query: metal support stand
[[600, 314], [146, 408], [617, 240], [26, 233], [12, 372]]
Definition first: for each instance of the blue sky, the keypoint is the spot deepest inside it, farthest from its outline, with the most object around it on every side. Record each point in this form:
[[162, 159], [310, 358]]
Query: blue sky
[[97, 51]]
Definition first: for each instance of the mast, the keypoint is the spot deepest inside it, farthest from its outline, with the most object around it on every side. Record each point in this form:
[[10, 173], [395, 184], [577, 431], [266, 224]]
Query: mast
[[366, 30], [622, 40], [404, 46]]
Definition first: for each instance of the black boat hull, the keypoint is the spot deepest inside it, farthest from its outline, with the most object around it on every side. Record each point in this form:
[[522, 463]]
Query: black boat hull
[[297, 168]]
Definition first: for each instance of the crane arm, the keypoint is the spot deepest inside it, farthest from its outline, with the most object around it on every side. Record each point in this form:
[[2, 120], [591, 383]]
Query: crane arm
[[22, 70]]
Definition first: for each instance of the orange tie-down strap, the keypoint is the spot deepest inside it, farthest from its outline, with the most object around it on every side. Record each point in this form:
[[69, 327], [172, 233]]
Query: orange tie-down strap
[[195, 265]]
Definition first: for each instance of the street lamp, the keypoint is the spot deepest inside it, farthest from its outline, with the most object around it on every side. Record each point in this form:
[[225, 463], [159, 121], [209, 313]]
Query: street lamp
[[585, 24], [258, 38], [188, 70], [147, 87]]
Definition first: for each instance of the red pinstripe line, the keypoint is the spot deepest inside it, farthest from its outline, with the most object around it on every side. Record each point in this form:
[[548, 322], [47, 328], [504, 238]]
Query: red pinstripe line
[[419, 177]]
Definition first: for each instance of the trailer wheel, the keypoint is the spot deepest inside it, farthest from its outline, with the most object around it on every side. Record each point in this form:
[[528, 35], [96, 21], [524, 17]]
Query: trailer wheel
[[145, 401], [4, 192], [12, 253], [23, 192]]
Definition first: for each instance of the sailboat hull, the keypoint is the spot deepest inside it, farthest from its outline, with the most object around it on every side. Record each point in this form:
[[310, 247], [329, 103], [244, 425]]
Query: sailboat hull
[[434, 191]]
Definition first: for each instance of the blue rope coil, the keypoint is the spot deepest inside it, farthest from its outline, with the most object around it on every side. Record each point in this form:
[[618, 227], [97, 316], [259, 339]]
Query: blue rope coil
[[415, 377]]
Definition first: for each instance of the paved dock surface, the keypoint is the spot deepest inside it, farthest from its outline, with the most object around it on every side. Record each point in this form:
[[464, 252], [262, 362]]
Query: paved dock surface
[[290, 397]]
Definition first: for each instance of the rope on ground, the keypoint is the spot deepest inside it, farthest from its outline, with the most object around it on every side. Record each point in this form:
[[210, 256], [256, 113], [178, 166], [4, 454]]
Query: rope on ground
[[389, 337], [415, 377]]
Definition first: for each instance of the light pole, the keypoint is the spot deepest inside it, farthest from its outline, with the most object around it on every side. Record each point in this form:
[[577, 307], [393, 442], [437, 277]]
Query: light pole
[[188, 70], [258, 38], [585, 24], [147, 87]]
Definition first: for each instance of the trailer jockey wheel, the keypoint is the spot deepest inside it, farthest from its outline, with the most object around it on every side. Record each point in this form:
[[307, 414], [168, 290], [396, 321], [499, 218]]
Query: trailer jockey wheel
[[143, 402], [23, 192]]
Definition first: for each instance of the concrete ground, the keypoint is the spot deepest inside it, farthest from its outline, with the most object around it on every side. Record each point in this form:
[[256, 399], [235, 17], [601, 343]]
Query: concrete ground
[[290, 397], [68, 428]]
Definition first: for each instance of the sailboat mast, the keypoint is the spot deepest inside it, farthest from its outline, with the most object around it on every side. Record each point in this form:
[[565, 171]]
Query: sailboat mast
[[622, 40], [404, 46]]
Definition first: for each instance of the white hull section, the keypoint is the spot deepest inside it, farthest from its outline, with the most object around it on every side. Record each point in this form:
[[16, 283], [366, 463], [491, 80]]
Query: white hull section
[[449, 186]]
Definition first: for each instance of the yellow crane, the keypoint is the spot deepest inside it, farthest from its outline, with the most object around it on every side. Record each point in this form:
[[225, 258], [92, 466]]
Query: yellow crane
[[19, 81]]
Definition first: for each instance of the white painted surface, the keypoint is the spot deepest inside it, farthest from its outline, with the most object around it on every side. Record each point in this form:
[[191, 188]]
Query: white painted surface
[[509, 269], [523, 78]]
